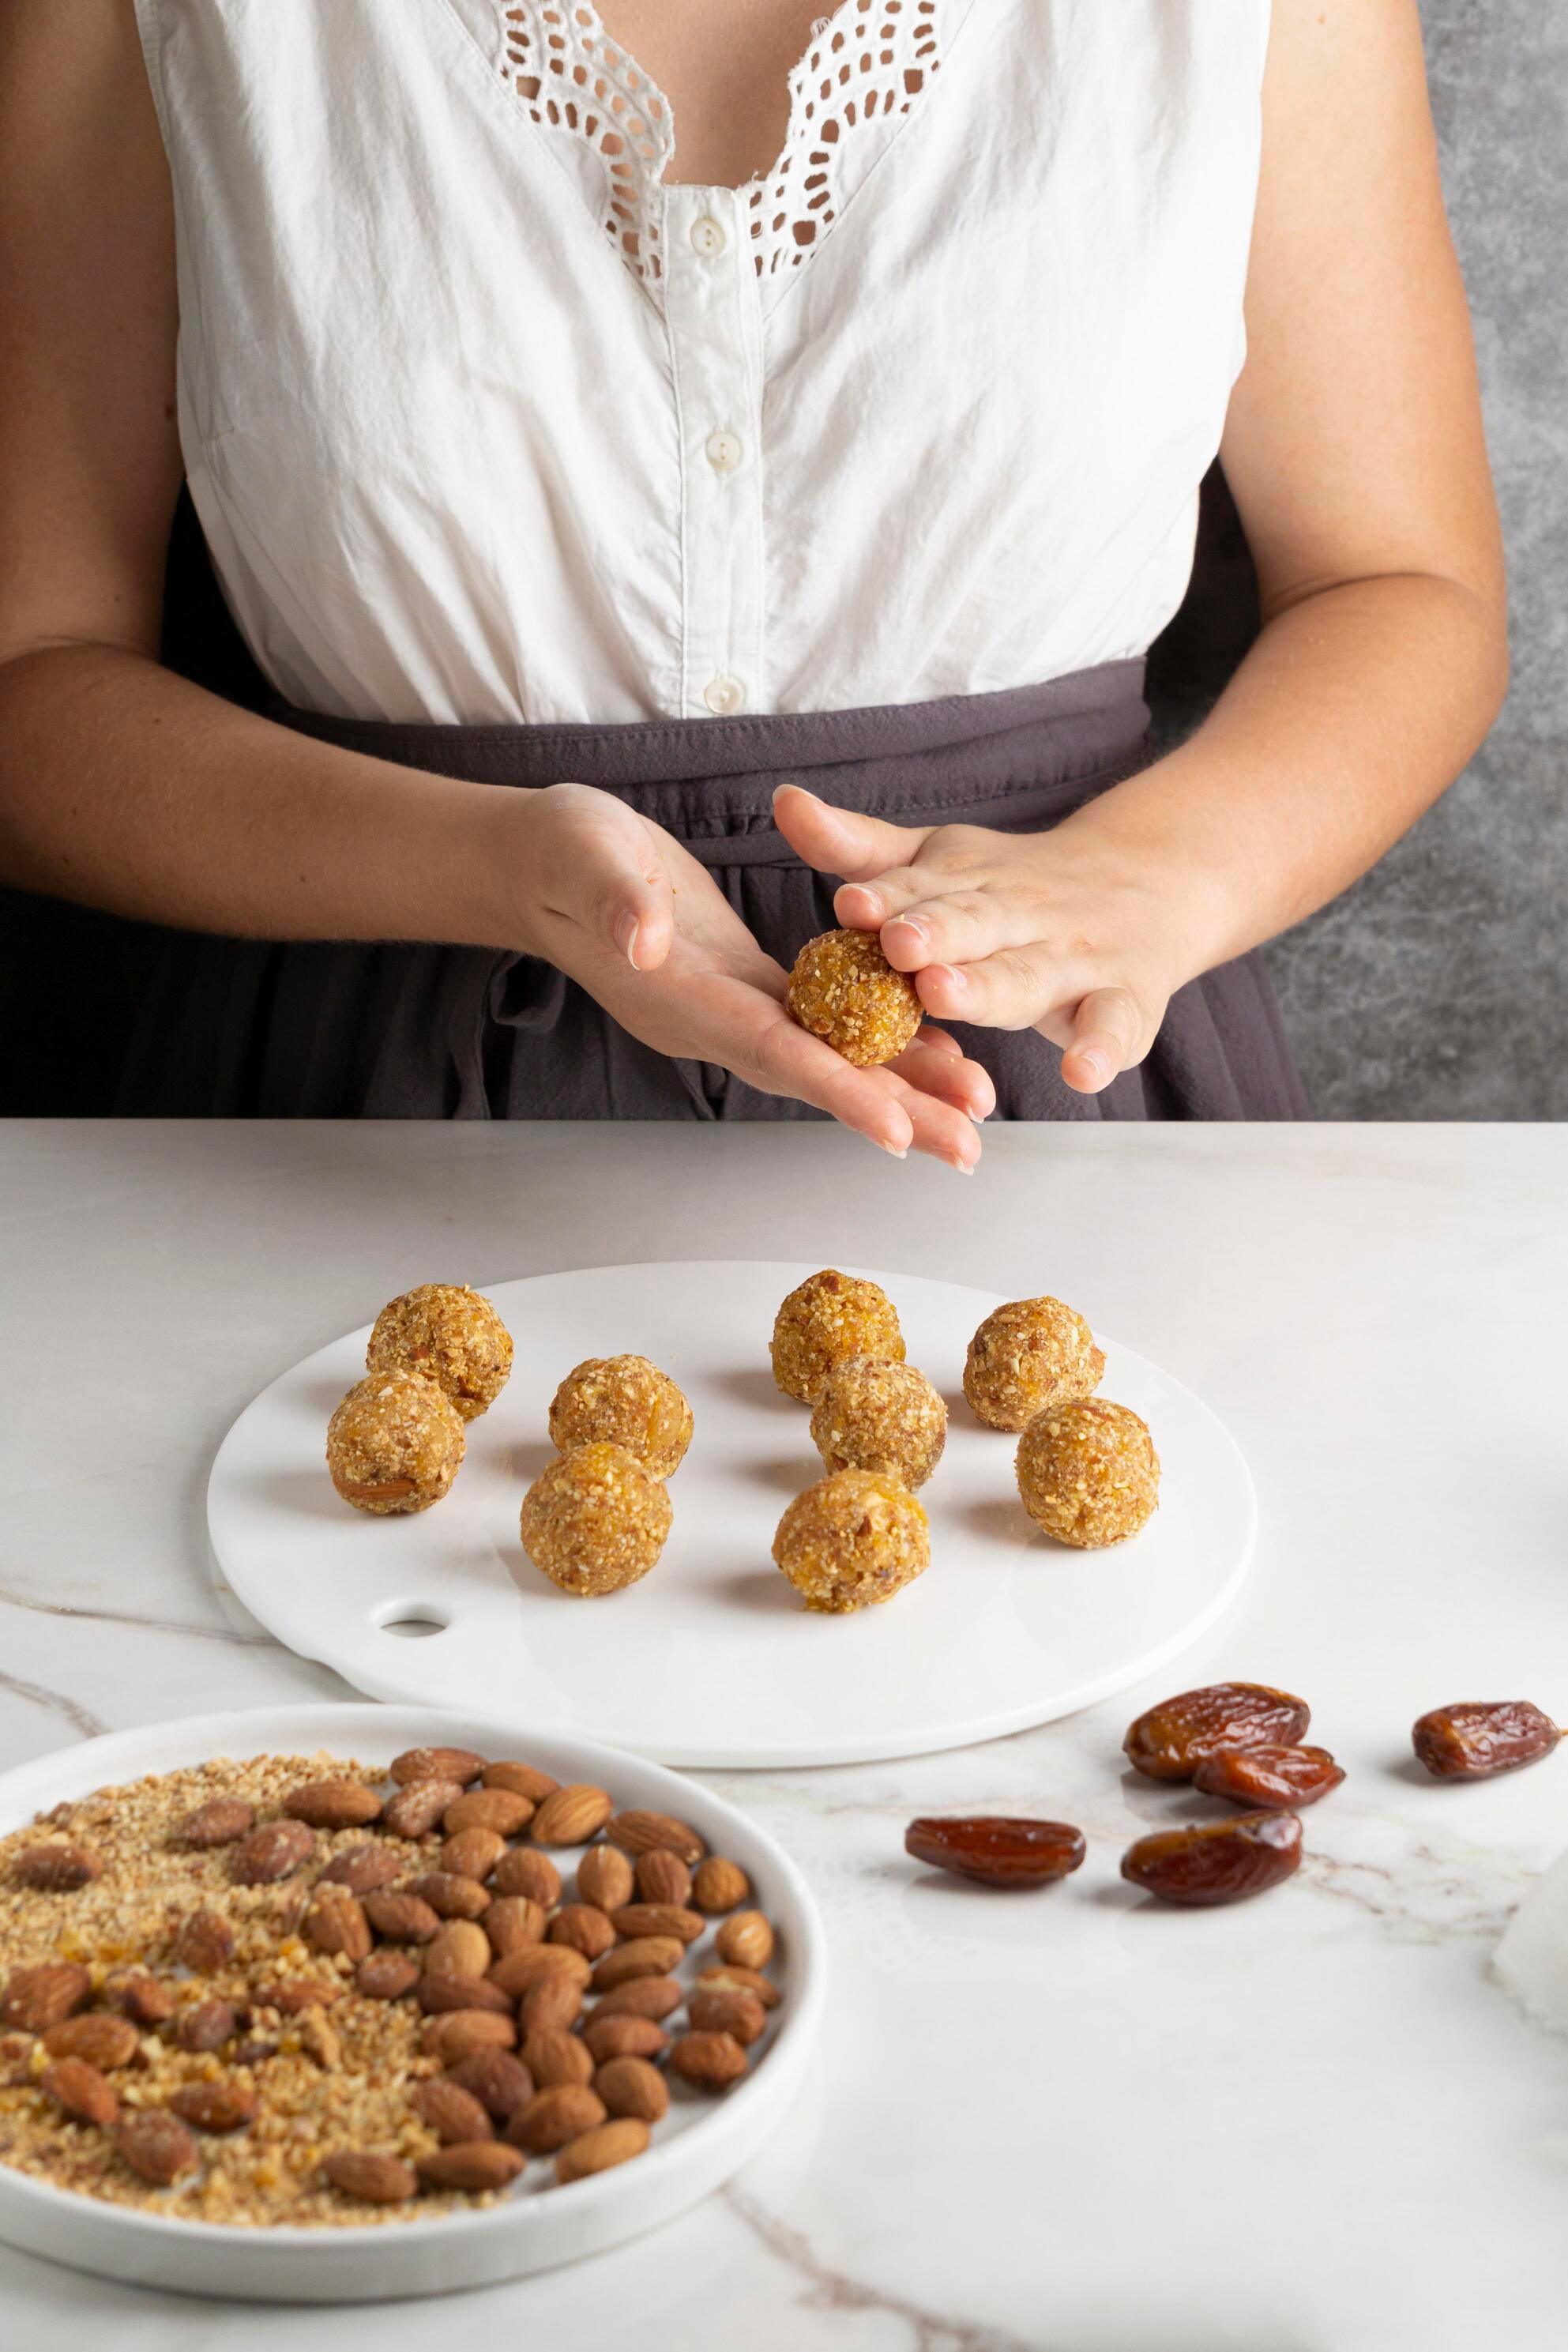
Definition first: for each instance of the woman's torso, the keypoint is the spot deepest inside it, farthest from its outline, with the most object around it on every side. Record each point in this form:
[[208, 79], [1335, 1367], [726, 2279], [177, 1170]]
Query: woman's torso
[[486, 422]]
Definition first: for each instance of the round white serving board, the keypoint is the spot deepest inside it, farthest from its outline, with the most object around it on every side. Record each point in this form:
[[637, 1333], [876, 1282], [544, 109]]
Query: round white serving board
[[537, 2225], [711, 1660]]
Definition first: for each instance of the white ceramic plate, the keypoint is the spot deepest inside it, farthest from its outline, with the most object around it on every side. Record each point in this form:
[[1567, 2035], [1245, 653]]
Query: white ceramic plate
[[694, 2150], [711, 1660]]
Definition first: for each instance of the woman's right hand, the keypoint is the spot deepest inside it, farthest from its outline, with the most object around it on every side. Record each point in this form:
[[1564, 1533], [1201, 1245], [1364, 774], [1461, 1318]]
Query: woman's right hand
[[617, 904]]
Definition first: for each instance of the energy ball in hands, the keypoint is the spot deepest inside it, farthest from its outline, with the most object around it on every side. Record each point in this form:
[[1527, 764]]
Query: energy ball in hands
[[851, 1541], [1029, 1354], [452, 1336], [844, 990], [596, 1521], [623, 1400], [1088, 1472], [874, 1414], [394, 1445], [829, 1317]]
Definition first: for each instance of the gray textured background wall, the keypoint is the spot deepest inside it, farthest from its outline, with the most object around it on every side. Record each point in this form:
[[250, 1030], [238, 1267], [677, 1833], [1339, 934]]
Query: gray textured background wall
[[1438, 987]]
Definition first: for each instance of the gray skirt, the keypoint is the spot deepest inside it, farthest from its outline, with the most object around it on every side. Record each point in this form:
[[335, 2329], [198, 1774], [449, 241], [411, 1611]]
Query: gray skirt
[[236, 1028]]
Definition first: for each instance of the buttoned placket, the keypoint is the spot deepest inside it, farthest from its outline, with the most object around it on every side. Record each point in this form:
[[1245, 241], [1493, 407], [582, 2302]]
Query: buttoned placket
[[714, 319]]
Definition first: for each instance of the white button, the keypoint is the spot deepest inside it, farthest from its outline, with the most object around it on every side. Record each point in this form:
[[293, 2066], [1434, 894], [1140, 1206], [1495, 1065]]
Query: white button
[[724, 694], [707, 235], [723, 452]]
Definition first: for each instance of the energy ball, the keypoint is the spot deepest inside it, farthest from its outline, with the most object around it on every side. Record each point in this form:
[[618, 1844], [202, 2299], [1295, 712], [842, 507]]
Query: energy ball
[[844, 990], [394, 1445], [828, 1318], [1088, 1472], [451, 1335], [874, 1414], [623, 1400], [853, 1538], [1029, 1354], [596, 1521]]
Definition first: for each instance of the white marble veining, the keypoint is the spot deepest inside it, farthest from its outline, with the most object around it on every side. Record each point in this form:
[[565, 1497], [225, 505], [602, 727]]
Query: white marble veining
[[1060, 2123]]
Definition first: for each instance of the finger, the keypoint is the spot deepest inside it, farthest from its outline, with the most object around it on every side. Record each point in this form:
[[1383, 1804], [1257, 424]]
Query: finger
[[878, 1104], [634, 909], [1014, 989], [840, 841], [959, 928], [1106, 1032], [944, 1073]]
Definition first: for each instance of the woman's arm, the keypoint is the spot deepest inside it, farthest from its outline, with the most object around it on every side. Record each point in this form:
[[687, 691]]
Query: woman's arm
[[124, 787], [1354, 450]]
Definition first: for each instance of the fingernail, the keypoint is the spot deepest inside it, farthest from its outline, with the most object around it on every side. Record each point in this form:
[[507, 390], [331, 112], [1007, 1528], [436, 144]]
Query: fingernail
[[917, 929], [893, 1147], [1096, 1064], [626, 929], [965, 1167], [952, 976]]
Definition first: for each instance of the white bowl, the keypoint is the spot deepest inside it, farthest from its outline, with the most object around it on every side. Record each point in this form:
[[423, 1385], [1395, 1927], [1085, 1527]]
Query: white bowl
[[694, 2152]]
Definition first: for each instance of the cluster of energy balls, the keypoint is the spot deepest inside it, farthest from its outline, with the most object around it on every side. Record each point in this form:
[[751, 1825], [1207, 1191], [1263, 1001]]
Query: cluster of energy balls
[[438, 1357], [598, 1517], [1087, 1469]]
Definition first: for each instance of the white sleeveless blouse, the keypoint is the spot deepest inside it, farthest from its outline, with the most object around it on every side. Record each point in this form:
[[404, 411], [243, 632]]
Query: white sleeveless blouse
[[484, 422]]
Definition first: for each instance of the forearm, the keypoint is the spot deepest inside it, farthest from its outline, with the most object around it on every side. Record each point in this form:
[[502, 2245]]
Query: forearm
[[126, 788], [1354, 711]]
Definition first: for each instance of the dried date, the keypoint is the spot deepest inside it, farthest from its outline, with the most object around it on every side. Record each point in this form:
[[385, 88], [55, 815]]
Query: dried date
[[1476, 1738], [1216, 1862], [997, 1849], [1171, 1740], [1271, 1779]]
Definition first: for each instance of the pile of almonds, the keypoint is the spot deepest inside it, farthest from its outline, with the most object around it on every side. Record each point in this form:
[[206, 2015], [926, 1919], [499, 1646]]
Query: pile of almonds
[[548, 2010], [1243, 1742]]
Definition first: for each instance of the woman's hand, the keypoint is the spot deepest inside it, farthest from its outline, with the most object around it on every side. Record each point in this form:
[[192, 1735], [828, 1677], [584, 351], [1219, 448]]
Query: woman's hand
[[1066, 932], [616, 903]]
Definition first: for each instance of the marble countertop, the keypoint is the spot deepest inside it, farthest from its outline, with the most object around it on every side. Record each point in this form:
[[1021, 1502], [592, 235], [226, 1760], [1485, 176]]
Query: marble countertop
[[1071, 2122]]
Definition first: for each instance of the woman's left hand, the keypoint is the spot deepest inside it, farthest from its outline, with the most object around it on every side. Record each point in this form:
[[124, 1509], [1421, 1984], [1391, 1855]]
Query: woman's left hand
[[1062, 931]]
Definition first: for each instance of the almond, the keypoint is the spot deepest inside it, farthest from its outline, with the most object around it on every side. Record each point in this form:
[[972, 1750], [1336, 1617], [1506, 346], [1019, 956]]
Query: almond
[[570, 1816], [733, 1977], [746, 1939], [462, 2031], [204, 1942], [553, 2056], [105, 2041], [214, 2107], [83, 2092], [636, 1921], [631, 2086], [336, 1922], [523, 1870], [513, 1923], [473, 1853], [292, 1996], [488, 1809], [727, 2009], [55, 1869], [645, 1833], [720, 1885], [662, 1877], [207, 2025], [552, 2118], [521, 1970], [600, 2149], [500, 2082], [441, 1991], [363, 1869], [652, 1997], [473, 2165], [273, 1852], [386, 1976], [416, 1809], [459, 1764], [645, 1955], [333, 1805], [522, 1779], [556, 2000], [604, 1877], [401, 1918], [449, 1896], [156, 2146], [139, 1997], [624, 2037], [459, 1948], [217, 1823], [453, 2113], [712, 2061], [374, 2179], [585, 1927]]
